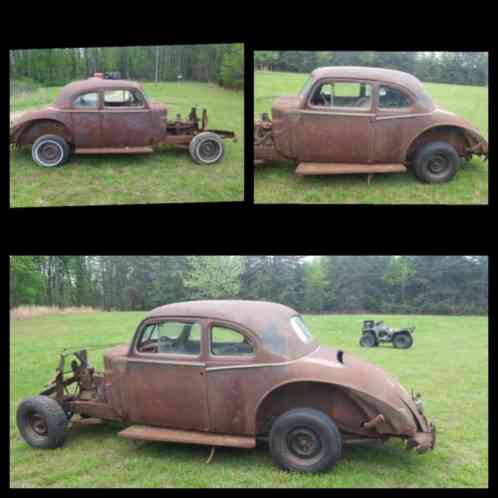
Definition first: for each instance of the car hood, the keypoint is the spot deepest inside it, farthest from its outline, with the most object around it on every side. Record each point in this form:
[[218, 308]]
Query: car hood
[[285, 104], [366, 380], [21, 117]]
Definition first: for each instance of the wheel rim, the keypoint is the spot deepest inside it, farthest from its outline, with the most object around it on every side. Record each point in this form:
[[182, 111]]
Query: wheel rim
[[303, 443], [368, 341], [49, 153], [209, 150], [402, 341], [438, 164], [38, 425]]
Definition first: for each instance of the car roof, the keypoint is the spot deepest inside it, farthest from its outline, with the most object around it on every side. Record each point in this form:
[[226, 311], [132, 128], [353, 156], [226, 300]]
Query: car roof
[[371, 73], [269, 321], [70, 91]]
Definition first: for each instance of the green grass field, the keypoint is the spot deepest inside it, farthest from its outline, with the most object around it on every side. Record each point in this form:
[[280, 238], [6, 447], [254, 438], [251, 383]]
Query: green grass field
[[277, 183], [448, 365], [168, 175]]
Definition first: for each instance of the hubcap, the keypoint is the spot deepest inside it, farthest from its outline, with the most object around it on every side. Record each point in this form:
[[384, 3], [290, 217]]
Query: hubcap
[[209, 150], [39, 425], [49, 153], [437, 164], [303, 443]]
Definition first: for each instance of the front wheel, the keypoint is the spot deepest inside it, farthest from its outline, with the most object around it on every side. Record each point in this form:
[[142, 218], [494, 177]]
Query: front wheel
[[42, 422], [368, 340], [402, 340], [206, 148], [50, 151], [305, 440], [435, 162]]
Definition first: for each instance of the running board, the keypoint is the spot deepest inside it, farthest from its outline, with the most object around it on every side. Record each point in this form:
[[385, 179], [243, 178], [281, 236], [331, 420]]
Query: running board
[[345, 168], [115, 150], [147, 433]]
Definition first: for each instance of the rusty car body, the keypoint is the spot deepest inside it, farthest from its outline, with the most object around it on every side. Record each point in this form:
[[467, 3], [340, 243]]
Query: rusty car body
[[350, 119], [112, 116], [229, 373]]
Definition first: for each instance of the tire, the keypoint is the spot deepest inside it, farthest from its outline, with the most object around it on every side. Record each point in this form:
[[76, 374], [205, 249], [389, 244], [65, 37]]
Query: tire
[[206, 148], [368, 340], [42, 422], [305, 440], [50, 151], [435, 162], [403, 340]]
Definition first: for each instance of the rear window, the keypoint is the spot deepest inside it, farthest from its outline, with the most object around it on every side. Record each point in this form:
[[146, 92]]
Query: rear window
[[301, 329]]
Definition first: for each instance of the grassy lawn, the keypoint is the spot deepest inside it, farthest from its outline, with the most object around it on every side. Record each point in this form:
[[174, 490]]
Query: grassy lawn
[[276, 182], [167, 175], [448, 364]]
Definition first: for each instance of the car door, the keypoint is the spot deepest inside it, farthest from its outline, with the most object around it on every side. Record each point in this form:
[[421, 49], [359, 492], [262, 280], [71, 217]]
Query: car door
[[231, 376], [85, 120], [335, 124], [395, 122], [126, 119], [166, 383]]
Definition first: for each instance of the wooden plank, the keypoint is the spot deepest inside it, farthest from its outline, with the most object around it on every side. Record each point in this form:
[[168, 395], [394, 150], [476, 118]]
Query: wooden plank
[[147, 433], [345, 168], [115, 150]]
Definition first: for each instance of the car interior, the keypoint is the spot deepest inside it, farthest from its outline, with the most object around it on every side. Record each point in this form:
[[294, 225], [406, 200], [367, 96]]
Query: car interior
[[343, 94], [184, 338], [122, 98]]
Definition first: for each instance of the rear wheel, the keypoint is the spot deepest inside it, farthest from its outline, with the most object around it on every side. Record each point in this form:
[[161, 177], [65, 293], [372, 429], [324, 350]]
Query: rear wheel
[[435, 162], [403, 340], [368, 340], [42, 422], [305, 440], [206, 148], [50, 151]]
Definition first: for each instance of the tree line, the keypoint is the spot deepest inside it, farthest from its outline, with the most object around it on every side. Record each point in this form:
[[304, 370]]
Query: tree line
[[214, 63], [318, 284], [462, 68]]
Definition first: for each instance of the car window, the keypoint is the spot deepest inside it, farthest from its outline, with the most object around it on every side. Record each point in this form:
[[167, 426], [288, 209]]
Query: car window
[[301, 329], [171, 337], [122, 98], [86, 101], [228, 342], [390, 97], [343, 94]]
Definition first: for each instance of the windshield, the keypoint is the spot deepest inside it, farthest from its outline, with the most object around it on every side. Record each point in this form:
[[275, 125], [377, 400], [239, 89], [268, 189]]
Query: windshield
[[301, 329], [306, 87]]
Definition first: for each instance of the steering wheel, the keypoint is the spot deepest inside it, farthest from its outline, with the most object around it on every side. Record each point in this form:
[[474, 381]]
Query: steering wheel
[[167, 343], [361, 101]]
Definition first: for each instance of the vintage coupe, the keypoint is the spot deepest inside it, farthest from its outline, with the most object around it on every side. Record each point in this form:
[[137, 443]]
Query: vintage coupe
[[366, 120], [112, 116], [229, 373]]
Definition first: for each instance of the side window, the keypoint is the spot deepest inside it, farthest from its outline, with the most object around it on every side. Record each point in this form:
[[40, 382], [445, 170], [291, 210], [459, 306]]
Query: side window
[[171, 337], [390, 97], [343, 94], [122, 98], [86, 101], [228, 342]]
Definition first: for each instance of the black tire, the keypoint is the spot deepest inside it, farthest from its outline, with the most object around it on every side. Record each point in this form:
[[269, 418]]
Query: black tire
[[402, 340], [435, 162], [368, 340], [50, 151], [42, 422], [305, 440], [206, 148]]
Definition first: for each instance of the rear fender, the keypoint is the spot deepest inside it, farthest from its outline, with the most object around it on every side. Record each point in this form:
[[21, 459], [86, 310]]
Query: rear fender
[[30, 131]]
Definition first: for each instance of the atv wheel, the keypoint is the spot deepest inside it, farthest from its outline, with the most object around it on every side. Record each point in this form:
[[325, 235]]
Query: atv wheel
[[403, 340], [435, 162], [305, 440], [42, 422], [206, 148], [368, 340], [50, 151]]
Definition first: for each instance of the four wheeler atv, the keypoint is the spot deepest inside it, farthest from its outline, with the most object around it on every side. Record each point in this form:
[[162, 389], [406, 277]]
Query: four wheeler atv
[[373, 333]]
